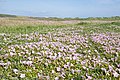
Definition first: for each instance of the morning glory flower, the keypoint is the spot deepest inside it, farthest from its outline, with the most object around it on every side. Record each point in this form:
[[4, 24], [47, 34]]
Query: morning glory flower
[[22, 75]]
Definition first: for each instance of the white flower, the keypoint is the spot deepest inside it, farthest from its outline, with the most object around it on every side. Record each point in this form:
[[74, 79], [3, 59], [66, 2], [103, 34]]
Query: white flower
[[84, 67], [15, 71], [89, 77], [39, 75], [54, 57], [3, 64], [58, 68], [53, 71], [22, 75], [47, 77], [83, 62], [38, 53], [63, 75], [73, 71], [72, 64], [75, 57], [33, 52], [89, 51], [115, 74], [68, 63], [11, 54], [78, 71], [119, 70], [103, 69], [56, 78], [65, 66], [46, 64], [29, 58]]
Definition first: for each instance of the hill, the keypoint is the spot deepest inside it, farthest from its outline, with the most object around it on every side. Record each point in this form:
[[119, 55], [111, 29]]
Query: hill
[[7, 15]]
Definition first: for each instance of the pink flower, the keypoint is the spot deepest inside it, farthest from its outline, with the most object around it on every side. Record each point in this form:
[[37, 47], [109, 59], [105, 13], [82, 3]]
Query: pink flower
[[27, 62], [65, 66], [115, 74], [110, 68]]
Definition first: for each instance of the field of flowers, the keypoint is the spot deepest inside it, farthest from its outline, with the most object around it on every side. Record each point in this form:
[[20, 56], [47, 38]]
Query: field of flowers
[[72, 52]]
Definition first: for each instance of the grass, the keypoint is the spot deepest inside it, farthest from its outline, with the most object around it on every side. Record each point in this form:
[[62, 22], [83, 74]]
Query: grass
[[29, 29]]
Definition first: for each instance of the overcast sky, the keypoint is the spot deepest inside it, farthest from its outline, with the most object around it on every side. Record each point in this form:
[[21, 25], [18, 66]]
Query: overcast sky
[[61, 8]]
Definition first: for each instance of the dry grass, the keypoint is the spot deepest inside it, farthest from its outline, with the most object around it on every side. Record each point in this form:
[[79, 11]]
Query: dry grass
[[19, 21]]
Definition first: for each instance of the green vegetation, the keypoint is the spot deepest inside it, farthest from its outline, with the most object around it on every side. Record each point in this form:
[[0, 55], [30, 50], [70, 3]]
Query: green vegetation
[[7, 15], [55, 50], [29, 29]]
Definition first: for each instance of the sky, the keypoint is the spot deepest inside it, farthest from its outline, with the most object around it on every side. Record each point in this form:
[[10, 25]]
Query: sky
[[61, 8]]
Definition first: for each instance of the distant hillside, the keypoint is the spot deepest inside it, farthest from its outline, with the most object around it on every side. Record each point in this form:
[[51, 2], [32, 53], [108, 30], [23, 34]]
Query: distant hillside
[[7, 15], [77, 18], [68, 18]]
